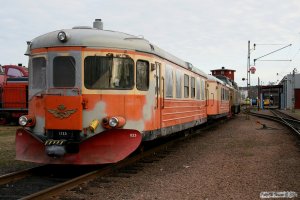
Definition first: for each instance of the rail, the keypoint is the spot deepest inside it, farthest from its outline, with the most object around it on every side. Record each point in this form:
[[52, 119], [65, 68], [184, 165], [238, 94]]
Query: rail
[[14, 176], [290, 122], [58, 187]]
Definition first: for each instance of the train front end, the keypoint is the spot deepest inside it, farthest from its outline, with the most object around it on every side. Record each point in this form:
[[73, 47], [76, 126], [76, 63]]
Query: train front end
[[68, 122]]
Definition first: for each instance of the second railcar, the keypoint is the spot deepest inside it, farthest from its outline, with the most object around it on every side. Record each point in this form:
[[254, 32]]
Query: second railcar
[[218, 101]]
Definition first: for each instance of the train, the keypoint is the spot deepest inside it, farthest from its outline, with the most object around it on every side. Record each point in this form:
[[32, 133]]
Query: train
[[95, 96], [13, 93]]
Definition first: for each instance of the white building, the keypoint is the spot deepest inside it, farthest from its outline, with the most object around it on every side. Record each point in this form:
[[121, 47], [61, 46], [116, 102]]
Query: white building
[[290, 97]]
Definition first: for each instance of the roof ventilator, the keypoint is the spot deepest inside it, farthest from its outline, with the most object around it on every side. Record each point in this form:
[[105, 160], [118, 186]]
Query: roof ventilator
[[98, 24]]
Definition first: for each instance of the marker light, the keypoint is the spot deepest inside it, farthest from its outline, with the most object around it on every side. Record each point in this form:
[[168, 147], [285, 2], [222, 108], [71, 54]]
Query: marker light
[[62, 36]]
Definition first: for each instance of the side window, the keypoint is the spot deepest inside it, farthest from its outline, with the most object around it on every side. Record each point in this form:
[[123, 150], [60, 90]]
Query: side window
[[222, 93], [227, 95], [178, 84], [202, 89], [14, 72], [193, 89], [142, 75], [186, 86], [198, 88], [169, 81]]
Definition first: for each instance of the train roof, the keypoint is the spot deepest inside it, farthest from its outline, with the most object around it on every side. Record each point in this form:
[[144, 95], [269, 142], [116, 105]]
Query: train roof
[[213, 78], [97, 38]]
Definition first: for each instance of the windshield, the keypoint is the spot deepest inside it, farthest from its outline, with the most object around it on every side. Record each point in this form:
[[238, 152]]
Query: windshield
[[64, 71], [38, 73], [106, 72]]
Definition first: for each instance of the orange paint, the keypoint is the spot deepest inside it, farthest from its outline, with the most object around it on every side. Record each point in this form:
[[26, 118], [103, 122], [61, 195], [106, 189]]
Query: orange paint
[[216, 107], [129, 107], [60, 49], [14, 95], [182, 111], [63, 112], [116, 51], [44, 50]]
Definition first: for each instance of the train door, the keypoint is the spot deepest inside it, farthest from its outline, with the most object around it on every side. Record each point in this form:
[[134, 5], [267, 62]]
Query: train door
[[158, 100]]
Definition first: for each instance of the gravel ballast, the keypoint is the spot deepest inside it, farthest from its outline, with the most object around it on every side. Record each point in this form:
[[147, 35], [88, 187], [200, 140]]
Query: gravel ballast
[[236, 160]]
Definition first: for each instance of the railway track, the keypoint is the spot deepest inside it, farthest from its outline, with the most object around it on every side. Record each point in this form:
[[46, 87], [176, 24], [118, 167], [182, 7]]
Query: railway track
[[20, 184], [14, 176], [47, 181], [282, 118]]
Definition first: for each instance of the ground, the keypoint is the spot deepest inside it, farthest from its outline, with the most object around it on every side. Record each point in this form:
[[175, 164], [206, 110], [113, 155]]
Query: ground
[[7, 151], [236, 160]]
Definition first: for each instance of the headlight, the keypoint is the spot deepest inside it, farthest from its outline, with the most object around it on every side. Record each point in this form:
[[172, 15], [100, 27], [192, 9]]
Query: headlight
[[113, 122], [62, 36], [23, 120]]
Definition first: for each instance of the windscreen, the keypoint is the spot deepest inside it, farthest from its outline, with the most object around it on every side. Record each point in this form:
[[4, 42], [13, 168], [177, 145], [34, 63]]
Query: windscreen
[[103, 72]]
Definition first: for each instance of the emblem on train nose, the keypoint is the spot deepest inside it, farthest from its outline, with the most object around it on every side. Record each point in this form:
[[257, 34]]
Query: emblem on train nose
[[61, 112]]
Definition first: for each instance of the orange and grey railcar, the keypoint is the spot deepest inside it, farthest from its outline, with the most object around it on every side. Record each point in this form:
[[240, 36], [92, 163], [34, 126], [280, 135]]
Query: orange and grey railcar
[[218, 98], [95, 95], [234, 93]]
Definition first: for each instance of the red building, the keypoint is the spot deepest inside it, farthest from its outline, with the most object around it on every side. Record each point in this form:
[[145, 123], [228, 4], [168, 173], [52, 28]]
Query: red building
[[229, 73]]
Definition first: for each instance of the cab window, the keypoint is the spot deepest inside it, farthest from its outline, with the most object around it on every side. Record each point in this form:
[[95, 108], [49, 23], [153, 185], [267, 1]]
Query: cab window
[[107, 72], [64, 71], [38, 71], [14, 72]]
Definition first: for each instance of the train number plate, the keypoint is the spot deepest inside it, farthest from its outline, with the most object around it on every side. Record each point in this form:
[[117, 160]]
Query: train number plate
[[62, 133]]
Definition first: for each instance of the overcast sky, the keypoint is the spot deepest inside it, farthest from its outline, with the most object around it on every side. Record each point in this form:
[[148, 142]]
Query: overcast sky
[[209, 34]]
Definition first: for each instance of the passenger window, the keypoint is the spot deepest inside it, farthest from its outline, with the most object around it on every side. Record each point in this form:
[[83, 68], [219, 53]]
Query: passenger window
[[193, 89], [178, 84], [186, 86], [221, 94], [142, 75], [202, 89], [198, 88], [169, 81]]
